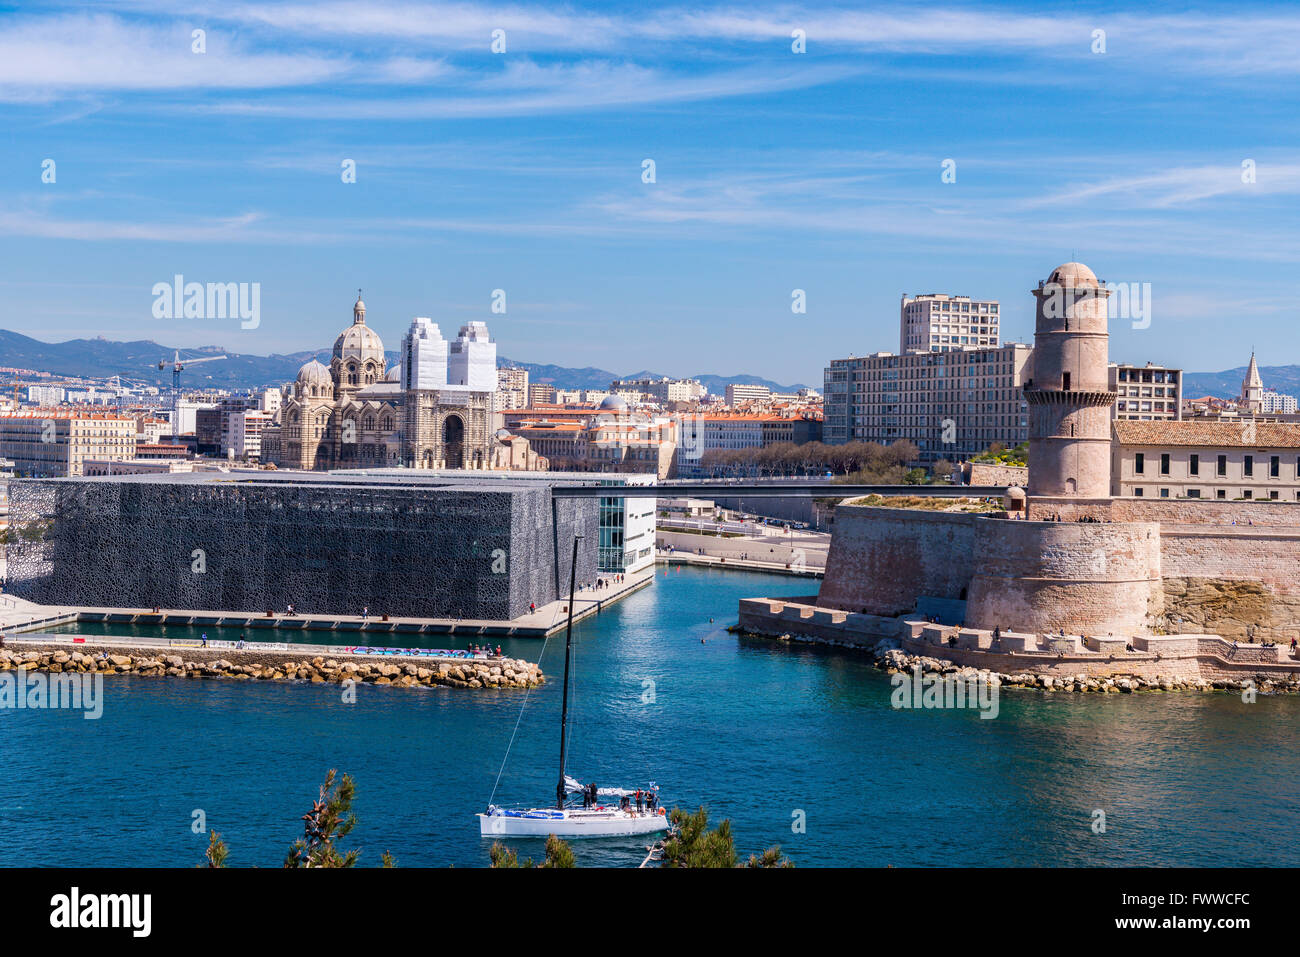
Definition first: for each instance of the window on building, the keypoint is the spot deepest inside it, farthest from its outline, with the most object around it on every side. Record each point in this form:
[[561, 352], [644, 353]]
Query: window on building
[[1220, 493], [1223, 466], [1139, 463], [1194, 465], [1164, 493], [1274, 466], [1248, 494], [1273, 494], [1137, 492], [1193, 493], [1248, 467], [1164, 463]]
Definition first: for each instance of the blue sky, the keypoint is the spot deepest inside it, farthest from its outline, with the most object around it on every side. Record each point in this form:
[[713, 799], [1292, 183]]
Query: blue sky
[[775, 171]]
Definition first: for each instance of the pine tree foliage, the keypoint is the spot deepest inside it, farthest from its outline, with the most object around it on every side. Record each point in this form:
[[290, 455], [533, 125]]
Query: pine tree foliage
[[216, 852], [558, 854], [694, 845], [328, 822]]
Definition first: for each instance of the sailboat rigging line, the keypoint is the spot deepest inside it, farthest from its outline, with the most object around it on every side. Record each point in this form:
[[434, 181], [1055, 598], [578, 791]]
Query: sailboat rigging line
[[560, 789], [573, 695], [527, 691]]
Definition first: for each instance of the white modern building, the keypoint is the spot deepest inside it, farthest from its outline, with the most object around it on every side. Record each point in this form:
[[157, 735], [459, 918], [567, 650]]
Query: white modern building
[[1272, 403], [738, 392], [939, 323], [245, 433], [46, 395], [661, 391]]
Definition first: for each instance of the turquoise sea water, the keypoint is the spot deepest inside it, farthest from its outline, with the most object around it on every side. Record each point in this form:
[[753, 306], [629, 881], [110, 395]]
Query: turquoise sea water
[[756, 730]]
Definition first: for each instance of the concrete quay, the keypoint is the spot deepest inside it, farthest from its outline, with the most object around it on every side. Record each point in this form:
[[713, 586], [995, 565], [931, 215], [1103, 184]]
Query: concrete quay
[[1160, 660], [16, 614], [770, 549], [711, 561]]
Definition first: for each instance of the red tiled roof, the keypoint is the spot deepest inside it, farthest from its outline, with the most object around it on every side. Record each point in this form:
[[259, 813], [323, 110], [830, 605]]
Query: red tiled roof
[[1245, 433]]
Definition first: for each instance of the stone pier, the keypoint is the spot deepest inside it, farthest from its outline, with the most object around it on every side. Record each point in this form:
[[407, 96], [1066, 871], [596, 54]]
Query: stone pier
[[317, 664]]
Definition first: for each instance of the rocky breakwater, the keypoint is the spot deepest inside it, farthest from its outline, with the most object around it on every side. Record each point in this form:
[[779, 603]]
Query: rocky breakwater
[[889, 657], [318, 669], [895, 660]]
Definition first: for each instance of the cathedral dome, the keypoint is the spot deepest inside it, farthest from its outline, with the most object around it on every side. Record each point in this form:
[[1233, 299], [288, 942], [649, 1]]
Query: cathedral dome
[[1073, 274], [358, 341], [359, 359], [314, 379], [315, 372]]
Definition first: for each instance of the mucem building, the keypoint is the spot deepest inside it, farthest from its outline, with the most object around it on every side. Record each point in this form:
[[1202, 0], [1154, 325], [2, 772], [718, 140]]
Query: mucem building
[[412, 547]]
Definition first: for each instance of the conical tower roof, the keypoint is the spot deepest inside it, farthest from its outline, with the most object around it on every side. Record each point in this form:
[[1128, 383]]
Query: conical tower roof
[[1252, 380]]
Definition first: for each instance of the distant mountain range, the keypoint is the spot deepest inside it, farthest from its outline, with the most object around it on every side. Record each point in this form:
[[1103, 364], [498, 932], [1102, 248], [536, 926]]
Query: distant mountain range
[[1227, 384], [591, 378], [138, 362]]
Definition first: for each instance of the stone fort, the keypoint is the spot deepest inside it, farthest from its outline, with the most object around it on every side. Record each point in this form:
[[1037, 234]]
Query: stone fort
[[1066, 556]]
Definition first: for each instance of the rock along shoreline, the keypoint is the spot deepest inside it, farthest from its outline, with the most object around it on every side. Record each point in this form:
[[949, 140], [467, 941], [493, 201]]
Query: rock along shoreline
[[252, 665], [888, 656]]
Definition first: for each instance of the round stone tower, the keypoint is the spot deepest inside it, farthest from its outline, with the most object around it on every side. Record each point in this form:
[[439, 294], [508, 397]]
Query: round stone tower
[[1068, 394]]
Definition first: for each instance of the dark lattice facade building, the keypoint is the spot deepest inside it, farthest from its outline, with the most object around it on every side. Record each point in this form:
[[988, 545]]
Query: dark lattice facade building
[[327, 544]]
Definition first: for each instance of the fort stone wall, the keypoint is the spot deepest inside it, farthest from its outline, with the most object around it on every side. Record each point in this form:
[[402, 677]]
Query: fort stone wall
[[1085, 577], [882, 559], [1229, 568]]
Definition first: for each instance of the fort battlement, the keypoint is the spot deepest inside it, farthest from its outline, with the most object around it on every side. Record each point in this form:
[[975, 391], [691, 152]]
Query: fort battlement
[[1181, 657]]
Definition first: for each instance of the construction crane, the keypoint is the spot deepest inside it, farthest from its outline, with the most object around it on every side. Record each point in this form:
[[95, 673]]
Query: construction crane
[[177, 365]]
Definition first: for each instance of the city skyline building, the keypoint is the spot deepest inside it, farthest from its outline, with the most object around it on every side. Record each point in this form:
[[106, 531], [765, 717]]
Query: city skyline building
[[934, 322], [56, 443], [1146, 393], [951, 405]]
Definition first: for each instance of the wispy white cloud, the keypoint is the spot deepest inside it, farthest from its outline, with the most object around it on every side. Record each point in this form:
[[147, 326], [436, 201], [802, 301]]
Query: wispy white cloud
[[744, 208], [49, 55], [662, 55], [41, 224], [1181, 186], [525, 90], [1246, 41]]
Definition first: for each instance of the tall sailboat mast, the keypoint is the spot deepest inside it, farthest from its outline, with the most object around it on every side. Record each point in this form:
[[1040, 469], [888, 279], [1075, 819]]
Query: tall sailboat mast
[[560, 790]]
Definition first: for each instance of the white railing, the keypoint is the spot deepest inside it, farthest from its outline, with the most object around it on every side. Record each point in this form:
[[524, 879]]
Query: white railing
[[705, 525]]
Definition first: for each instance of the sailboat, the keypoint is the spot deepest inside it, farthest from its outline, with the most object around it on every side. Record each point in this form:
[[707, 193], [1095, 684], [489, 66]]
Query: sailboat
[[621, 817]]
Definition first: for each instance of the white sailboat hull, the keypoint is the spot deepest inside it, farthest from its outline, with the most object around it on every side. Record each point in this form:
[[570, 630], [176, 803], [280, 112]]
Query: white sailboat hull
[[572, 822]]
